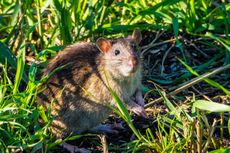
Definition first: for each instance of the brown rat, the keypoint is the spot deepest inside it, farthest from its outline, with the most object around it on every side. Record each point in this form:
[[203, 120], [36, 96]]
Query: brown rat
[[79, 94]]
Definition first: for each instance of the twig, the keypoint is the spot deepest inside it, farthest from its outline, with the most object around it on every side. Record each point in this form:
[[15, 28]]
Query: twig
[[189, 84], [192, 142], [156, 44], [158, 34], [196, 47], [104, 143], [221, 128], [200, 93], [199, 137], [164, 57], [210, 136], [154, 65]]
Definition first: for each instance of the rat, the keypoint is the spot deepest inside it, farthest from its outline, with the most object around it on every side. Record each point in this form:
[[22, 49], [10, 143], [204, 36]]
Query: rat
[[78, 94]]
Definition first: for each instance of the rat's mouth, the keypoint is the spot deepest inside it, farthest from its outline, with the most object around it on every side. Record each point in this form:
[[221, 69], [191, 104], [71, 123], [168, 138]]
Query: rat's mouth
[[129, 71]]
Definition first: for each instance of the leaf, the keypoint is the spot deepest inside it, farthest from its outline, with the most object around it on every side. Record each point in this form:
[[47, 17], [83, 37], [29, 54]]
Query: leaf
[[219, 40], [173, 110], [211, 106], [20, 70], [7, 56], [229, 126], [122, 110], [65, 21], [175, 27], [209, 81], [227, 150]]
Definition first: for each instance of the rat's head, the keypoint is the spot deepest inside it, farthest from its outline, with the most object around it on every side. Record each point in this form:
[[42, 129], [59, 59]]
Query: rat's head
[[121, 56]]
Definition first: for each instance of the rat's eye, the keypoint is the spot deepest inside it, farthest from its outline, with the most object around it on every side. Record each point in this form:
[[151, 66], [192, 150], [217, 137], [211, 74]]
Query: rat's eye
[[117, 52]]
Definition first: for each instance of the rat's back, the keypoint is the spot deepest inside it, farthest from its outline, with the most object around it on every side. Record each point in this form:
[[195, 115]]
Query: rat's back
[[72, 108]]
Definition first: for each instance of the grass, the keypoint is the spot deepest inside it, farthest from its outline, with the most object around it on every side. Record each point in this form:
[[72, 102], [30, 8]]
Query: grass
[[197, 32]]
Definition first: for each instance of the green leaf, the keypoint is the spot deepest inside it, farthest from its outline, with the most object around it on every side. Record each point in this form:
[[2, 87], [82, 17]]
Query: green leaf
[[175, 27], [122, 110], [229, 126], [219, 40], [20, 70], [173, 110], [227, 150], [211, 106], [209, 81], [6, 54]]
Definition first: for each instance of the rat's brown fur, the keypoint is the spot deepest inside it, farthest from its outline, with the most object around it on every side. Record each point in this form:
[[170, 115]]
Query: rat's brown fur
[[78, 93]]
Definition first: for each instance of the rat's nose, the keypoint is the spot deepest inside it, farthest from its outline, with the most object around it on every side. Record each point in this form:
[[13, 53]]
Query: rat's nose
[[133, 61]]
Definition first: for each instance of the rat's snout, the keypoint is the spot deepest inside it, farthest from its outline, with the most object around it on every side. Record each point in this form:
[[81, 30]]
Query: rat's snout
[[133, 62]]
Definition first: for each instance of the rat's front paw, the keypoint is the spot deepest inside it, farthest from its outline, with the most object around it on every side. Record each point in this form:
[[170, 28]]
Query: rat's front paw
[[139, 99], [107, 128], [137, 109]]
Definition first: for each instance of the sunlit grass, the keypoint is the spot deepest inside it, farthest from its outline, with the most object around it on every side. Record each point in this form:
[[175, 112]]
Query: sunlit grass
[[39, 29]]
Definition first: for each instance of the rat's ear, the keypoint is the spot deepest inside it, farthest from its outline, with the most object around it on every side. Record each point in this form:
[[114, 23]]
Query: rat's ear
[[137, 36], [103, 44]]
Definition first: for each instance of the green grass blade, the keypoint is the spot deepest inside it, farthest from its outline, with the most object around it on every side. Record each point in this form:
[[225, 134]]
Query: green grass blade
[[123, 111], [209, 81], [173, 110], [219, 40], [6, 54], [222, 150], [229, 126], [125, 114], [64, 21], [175, 27], [211, 106], [20, 70]]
